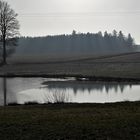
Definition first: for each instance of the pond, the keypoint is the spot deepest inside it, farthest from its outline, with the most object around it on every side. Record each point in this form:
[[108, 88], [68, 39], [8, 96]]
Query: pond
[[50, 90]]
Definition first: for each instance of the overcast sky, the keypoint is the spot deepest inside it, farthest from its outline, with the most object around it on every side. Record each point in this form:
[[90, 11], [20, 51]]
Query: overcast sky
[[47, 17]]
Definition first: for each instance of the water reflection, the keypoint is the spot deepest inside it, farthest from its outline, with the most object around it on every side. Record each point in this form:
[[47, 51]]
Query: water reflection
[[86, 85], [5, 90], [45, 90]]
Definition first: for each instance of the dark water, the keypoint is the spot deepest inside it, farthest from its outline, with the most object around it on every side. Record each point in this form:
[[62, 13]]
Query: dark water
[[44, 90]]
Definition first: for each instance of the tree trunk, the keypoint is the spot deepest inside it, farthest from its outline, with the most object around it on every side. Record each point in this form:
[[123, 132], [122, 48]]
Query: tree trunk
[[4, 51]]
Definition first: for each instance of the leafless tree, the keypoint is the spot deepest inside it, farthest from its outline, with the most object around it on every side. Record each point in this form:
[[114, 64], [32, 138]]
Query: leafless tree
[[58, 96], [9, 26]]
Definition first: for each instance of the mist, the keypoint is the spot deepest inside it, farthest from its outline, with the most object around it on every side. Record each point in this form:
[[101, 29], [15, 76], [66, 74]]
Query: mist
[[75, 45]]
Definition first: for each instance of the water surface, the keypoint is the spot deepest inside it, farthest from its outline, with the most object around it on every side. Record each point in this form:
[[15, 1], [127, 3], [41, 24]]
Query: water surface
[[44, 90]]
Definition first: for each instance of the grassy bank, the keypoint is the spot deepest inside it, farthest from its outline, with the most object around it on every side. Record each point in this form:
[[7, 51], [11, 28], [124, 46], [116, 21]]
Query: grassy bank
[[71, 121]]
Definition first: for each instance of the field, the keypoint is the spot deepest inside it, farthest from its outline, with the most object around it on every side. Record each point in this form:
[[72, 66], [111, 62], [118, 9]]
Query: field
[[119, 121], [125, 66], [114, 121]]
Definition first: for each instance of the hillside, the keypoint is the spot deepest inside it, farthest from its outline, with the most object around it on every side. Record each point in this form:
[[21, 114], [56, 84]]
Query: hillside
[[88, 58], [124, 66], [117, 58]]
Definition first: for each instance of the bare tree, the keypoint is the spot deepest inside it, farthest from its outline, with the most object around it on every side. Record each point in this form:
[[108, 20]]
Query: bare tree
[[58, 96], [9, 26]]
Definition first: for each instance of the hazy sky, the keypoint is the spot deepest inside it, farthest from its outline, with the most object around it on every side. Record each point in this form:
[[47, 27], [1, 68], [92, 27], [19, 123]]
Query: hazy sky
[[45, 17]]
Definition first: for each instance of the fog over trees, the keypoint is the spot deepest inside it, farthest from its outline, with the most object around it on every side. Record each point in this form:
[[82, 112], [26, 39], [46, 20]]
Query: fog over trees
[[77, 43]]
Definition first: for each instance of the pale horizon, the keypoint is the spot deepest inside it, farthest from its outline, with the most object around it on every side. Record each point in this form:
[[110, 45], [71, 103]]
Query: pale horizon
[[54, 17]]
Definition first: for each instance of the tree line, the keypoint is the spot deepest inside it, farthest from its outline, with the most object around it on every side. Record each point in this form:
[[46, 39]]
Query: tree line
[[78, 43]]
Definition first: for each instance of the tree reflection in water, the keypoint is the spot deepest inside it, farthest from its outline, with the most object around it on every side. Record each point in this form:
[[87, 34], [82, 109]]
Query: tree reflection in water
[[86, 85]]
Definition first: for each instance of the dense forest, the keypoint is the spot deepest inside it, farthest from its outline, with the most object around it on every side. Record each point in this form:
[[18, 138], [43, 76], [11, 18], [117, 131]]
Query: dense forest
[[76, 43]]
